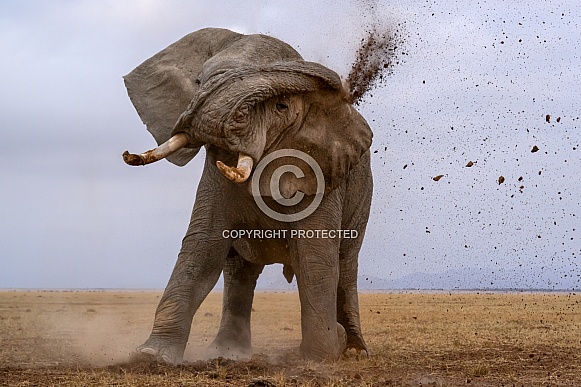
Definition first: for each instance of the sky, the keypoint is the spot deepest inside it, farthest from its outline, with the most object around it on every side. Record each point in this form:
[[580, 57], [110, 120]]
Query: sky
[[475, 81]]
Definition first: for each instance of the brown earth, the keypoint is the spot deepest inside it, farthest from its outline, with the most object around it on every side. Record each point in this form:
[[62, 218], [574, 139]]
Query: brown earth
[[486, 339], [375, 60]]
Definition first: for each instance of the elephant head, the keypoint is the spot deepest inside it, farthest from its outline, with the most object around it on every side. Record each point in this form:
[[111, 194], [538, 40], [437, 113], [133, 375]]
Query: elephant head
[[249, 95]]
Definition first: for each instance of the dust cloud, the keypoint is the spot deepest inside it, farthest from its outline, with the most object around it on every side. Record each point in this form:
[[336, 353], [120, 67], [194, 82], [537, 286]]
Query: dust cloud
[[85, 328], [377, 53], [91, 337], [375, 60], [363, 44], [103, 328]]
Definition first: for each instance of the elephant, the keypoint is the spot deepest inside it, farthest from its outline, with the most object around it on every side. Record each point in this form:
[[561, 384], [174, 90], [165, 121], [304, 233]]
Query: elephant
[[300, 193]]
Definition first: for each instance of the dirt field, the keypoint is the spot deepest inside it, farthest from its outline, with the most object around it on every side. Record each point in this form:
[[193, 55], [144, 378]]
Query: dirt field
[[85, 338]]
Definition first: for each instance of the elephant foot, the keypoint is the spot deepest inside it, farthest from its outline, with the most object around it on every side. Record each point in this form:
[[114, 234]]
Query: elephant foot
[[228, 349], [156, 351], [325, 352], [357, 343]]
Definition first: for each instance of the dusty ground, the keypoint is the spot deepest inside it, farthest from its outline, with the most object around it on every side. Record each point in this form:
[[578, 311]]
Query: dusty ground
[[85, 338]]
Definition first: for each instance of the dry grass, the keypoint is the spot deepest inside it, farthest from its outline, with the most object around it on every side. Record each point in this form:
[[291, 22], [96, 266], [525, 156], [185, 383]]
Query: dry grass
[[85, 338]]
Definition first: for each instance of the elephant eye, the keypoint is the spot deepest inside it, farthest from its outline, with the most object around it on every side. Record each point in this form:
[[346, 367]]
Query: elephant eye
[[281, 106]]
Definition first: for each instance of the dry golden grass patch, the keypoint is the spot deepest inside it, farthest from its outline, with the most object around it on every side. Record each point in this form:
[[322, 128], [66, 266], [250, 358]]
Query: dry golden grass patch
[[85, 338]]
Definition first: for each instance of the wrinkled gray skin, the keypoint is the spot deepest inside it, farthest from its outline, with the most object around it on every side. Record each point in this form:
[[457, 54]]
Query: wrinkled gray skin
[[254, 94]]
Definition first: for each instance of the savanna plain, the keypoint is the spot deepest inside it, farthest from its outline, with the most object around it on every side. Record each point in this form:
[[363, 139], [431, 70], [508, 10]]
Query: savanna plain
[[85, 338]]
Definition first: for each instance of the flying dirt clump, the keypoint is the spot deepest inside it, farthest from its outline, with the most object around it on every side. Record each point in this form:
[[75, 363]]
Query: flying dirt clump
[[376, 57]]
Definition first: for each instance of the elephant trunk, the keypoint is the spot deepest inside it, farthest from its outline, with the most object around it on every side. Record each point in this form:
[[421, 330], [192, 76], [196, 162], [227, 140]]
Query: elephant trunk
[[175, 143], [242, 171]]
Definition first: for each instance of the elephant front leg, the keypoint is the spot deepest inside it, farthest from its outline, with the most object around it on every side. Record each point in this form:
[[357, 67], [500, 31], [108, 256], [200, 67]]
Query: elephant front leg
[[234, 337], [197, 270], [317, 272]]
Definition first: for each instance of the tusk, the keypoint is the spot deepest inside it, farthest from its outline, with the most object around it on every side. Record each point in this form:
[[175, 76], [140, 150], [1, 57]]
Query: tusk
[[175, 143], [242, 171]]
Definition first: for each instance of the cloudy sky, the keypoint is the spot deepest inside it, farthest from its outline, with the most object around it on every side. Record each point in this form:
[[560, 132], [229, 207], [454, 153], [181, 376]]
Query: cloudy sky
[[475, 82]]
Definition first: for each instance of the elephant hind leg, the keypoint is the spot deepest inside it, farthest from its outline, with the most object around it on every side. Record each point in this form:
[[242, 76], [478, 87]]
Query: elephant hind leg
[[348, 318], [348, 302], [234, 337]]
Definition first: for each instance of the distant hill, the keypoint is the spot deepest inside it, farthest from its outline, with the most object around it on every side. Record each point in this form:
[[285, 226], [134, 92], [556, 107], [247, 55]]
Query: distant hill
[[530, 278]]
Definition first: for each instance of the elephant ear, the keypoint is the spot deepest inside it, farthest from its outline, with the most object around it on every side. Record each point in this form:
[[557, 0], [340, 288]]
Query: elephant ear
[[335, 135], [162, 87]]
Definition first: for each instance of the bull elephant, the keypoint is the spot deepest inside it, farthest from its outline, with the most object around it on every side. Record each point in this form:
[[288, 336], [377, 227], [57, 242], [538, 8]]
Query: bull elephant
[[286, 152]]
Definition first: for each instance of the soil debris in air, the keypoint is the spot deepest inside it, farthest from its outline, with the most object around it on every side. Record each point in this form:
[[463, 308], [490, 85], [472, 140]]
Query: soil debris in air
[[376, 57]]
